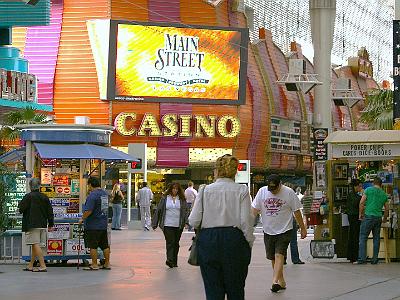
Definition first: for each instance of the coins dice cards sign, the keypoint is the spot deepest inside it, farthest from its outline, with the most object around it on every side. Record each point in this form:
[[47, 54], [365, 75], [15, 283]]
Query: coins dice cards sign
[[54, 247]]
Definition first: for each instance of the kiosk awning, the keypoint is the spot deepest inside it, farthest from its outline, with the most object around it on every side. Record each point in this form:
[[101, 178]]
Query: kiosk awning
[[364, 137], [81, 151]]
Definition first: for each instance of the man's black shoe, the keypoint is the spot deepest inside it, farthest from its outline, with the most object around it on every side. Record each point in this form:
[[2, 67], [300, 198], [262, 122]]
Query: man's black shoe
[[299, 262]]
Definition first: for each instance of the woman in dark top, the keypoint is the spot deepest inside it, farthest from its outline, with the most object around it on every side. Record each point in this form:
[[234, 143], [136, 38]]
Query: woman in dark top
[[117, 198], [352, 209]]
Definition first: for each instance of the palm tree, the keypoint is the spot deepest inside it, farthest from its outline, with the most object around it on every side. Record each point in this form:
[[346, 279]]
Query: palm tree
[[28, 115], [378, 112]]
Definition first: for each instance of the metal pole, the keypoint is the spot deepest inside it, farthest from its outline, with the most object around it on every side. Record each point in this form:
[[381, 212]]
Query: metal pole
[[129, 196]]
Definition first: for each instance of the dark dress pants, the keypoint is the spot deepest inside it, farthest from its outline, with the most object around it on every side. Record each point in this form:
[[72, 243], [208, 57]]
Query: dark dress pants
[[224, 256], [354, 234], [172, 237]]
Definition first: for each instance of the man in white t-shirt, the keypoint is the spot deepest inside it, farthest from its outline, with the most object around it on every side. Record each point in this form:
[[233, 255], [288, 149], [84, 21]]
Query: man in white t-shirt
[[277, 203], [190, 195]]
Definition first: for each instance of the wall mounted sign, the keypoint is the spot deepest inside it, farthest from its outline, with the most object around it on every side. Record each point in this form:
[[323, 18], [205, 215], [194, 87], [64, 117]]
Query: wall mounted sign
[[174, 125], [18, 86], [285, 135], [159, 62], [321, 149]]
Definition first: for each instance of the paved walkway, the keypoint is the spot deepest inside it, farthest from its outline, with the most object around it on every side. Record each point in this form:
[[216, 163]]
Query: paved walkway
[[139, 273]]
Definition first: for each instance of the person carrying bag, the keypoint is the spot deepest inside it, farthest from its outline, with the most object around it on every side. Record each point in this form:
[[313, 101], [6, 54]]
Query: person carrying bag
[[222, 214], [193, 256]]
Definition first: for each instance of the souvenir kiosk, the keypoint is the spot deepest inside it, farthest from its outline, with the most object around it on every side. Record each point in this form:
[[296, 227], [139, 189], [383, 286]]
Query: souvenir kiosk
[[363, 155], [63, 157]]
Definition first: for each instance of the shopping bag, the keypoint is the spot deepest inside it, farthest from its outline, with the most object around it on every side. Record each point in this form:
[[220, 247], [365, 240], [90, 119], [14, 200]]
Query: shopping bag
[[193, 259]]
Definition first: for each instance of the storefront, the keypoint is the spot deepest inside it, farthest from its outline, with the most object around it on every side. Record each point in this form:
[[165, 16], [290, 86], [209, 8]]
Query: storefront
[[63, 157], [363, 155]]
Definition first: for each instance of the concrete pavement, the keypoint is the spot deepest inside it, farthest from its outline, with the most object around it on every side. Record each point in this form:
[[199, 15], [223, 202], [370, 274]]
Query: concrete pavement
[[139, 273]]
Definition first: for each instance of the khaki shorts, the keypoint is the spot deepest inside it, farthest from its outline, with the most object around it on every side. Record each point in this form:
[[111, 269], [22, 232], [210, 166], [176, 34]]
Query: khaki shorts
[[36, 236]]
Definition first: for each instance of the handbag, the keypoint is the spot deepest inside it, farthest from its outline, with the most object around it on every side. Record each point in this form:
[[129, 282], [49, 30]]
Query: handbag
[[193, 255]]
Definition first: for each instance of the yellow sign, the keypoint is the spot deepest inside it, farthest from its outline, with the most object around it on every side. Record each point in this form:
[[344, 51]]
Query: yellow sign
[[171, 125]]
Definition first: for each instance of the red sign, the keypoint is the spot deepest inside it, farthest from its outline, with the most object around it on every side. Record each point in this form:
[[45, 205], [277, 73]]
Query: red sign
[[54, 247], [63, 190], [60, 180]]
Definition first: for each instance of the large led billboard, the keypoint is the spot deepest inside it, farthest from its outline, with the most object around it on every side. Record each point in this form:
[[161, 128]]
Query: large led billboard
[[177, 63]]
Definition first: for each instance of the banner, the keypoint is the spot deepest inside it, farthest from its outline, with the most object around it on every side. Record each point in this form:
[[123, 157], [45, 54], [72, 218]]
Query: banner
[[396, 73]]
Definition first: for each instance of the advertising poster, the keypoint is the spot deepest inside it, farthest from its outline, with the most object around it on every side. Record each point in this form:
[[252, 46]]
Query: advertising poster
[[54, 247], [63, 190], [46, 176], [74, 187], [60, 231], [321, 149], [61, 179], [49, 191], [73, 246], [73, 206], [76, 231], [169, 63], [59, 201], [17, 191], [57, 210]]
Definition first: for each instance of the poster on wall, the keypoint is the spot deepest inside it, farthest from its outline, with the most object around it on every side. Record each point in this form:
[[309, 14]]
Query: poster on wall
[[54, 247], [161, 62], [60, 231]]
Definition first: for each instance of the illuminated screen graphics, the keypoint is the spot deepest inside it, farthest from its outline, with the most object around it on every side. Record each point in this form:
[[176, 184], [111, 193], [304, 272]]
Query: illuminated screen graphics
[[168, 63]]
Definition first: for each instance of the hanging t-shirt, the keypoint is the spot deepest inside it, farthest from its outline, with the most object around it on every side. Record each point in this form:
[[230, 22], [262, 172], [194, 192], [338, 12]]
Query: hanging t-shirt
[[276, 209]]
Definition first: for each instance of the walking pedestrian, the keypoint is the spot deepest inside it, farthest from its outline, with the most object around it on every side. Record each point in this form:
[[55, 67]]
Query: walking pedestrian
[[37, 216], [294, 249], [171, 217], [370, 214], [226, 235], [144, 198], [352, 211], [277, 203], [95, 223], [117, 198], [190, 195]]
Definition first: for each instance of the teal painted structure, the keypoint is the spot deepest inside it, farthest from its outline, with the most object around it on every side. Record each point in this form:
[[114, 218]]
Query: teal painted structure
[[10, 59], [20, 14], [16, 14]]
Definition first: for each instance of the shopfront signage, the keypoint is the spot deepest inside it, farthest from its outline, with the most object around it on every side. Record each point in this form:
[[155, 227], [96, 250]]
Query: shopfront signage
[[359, 151], [60, 180], [17, 86], [174, 125]]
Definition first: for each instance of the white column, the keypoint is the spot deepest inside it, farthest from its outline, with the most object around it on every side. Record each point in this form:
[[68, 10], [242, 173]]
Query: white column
[[129, 196], [397, 10], [322, 13]]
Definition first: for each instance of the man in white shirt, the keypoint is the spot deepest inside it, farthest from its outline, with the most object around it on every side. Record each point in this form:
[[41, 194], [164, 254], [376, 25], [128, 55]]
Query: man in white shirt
[[143, 199], [277, 203], [190, 195]]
